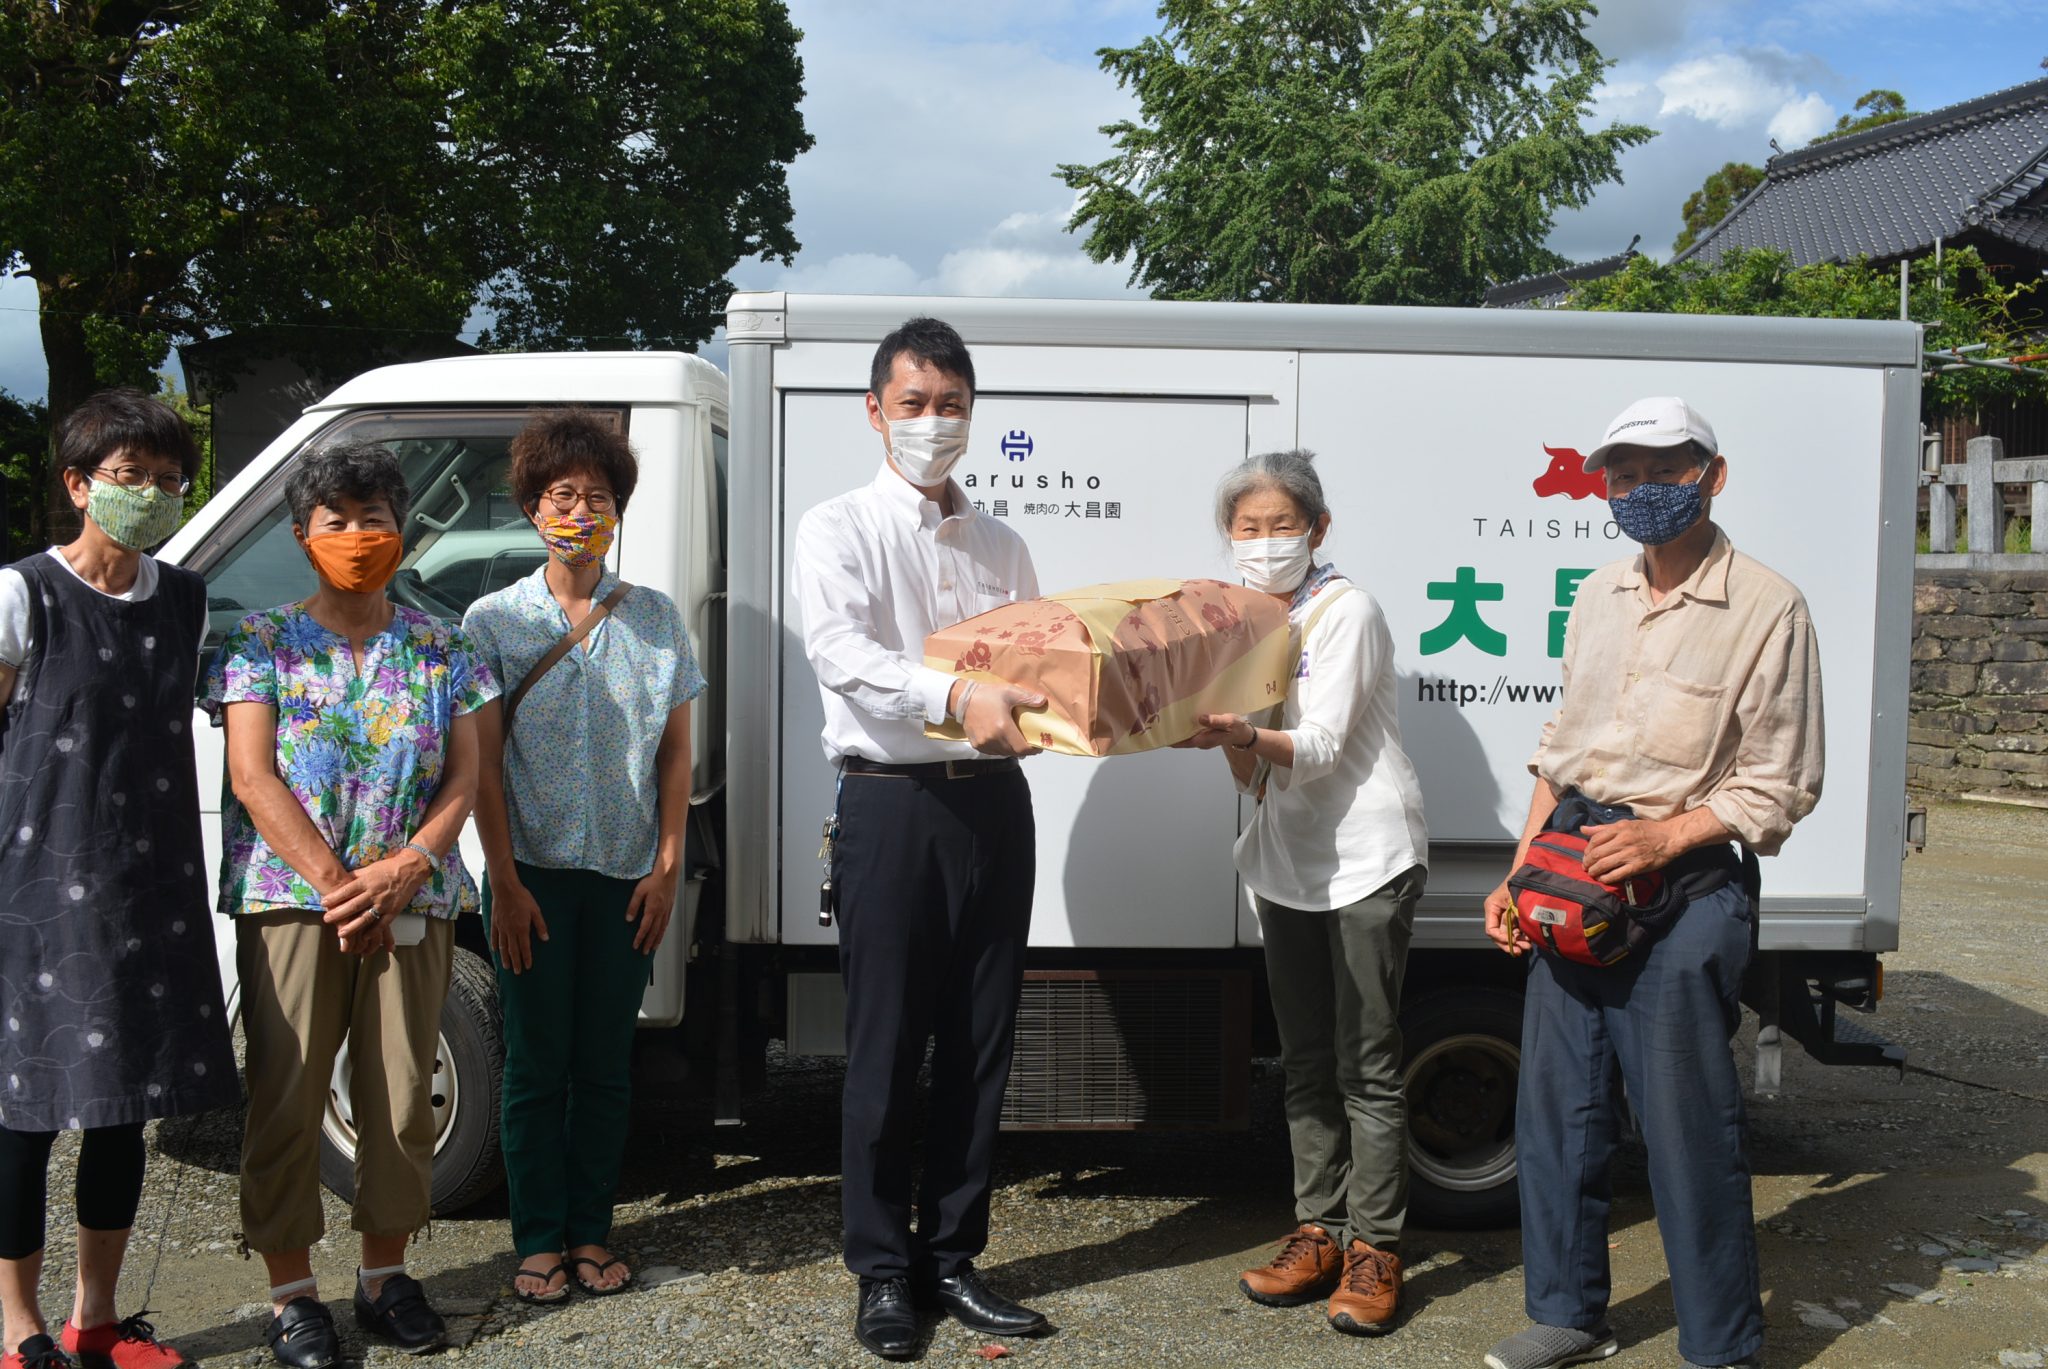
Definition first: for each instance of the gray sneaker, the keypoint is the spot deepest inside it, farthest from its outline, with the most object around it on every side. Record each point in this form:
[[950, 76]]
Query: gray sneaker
[[1551, 1347]]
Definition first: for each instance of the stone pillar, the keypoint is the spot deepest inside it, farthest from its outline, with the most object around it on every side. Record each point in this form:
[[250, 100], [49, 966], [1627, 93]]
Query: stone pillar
[[1987, 511]]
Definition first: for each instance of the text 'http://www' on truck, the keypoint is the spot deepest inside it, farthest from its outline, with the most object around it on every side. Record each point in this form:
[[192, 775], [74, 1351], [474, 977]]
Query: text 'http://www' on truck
[[1100, 435]]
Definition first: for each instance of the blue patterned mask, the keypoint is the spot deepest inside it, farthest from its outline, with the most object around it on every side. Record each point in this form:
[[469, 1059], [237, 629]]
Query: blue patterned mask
[[1656, 514]]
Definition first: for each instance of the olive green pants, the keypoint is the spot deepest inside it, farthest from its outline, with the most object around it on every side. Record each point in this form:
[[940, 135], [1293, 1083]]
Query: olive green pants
[[1336, 984]]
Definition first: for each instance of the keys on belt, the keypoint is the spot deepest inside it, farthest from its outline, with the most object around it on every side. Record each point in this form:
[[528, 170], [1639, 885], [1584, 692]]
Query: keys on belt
[[828, 897]]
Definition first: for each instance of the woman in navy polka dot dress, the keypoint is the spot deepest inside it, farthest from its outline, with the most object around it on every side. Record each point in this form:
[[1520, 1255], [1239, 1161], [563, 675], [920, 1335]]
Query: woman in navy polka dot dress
[[110, 1004]]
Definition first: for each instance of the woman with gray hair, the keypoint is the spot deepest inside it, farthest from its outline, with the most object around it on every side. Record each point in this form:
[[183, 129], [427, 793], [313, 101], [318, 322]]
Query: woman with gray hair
[[352, 765], [1334, 857]]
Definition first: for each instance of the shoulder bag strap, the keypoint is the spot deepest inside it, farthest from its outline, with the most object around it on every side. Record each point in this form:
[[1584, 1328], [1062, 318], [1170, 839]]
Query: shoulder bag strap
[[562, 647], [1263, 772]]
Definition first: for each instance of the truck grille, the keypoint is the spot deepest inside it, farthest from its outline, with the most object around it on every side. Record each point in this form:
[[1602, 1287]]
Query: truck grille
[[1130, 1050]]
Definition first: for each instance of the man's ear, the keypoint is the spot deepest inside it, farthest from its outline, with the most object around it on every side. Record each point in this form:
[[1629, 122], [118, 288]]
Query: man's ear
[[1715, 476], [875, 419]]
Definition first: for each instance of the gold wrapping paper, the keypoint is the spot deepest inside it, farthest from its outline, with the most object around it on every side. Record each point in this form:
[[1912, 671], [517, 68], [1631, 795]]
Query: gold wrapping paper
[[1125, 667]]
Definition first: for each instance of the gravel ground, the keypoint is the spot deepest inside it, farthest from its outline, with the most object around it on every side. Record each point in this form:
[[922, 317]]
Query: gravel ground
[[1901, 1222]]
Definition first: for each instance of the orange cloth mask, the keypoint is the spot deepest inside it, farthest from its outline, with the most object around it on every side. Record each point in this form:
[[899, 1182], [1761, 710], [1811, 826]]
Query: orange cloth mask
[[356, 562]]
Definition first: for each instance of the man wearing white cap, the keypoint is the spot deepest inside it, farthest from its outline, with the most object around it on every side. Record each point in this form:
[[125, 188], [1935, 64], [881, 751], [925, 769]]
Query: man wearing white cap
[[1691, 721]]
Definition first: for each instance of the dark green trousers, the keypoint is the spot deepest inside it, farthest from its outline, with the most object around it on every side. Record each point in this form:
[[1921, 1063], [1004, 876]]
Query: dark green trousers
[[1336, 982], [568, 1088]]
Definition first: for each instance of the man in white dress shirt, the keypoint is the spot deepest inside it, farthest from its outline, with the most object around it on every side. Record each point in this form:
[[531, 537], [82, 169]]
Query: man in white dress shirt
[[933, 864]]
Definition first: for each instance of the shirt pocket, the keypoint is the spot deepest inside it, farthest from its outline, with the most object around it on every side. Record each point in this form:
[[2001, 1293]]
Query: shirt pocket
[[990, 593], [1681, 722]]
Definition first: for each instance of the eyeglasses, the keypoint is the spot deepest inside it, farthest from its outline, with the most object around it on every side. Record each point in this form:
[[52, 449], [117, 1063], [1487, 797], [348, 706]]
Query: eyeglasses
[[135, 477], [565, 498]]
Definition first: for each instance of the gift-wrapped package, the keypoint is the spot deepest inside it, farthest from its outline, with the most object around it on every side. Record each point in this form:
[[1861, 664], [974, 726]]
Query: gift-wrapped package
[[1124, 667]]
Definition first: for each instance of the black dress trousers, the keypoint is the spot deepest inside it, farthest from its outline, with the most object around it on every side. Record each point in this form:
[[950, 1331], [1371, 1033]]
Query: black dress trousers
[[935, 880]]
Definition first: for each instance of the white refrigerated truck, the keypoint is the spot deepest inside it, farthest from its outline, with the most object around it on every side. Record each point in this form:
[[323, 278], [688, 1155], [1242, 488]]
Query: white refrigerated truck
[[1444, 439]]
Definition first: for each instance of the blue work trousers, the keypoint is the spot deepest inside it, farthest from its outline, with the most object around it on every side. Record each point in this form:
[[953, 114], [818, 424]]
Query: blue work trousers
[[1660, 1022]]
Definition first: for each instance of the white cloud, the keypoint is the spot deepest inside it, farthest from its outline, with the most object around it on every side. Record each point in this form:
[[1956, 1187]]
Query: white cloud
[[1030, 254], [934, 169], [1027, 254], [1721, 88], [1712, 106], [1800, 121], [850, 273]]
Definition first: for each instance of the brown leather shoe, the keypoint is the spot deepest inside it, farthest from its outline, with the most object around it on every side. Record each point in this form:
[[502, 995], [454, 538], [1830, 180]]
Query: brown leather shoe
[[1369, 1293], [1305, 1269]]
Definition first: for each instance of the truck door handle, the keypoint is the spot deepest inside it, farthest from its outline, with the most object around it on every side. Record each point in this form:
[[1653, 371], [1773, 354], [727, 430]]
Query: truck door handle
[[436, 524]]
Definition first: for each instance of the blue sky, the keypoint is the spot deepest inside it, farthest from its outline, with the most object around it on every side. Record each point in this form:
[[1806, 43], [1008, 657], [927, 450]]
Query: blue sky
[[938, 126]]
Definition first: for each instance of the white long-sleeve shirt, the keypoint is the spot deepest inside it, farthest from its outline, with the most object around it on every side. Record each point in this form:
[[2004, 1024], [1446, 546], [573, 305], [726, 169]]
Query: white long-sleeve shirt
[[1346, 817], [878, 569]]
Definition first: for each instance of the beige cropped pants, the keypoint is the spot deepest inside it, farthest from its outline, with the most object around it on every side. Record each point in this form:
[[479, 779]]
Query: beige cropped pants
[[302, 996]]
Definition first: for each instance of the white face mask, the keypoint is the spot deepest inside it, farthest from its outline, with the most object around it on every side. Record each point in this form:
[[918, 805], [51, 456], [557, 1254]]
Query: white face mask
[[927, 449], [1272, 565]]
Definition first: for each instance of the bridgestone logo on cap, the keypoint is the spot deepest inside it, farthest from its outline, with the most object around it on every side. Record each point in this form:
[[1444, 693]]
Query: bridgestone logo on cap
[[1635, 423]]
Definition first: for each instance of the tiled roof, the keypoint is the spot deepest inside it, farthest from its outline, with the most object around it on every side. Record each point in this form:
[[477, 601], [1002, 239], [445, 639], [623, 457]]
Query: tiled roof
[[1892, 190], [1548, 290]]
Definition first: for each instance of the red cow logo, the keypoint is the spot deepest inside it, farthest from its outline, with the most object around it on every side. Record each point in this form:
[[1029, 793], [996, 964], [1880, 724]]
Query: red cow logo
[[1567, 475]]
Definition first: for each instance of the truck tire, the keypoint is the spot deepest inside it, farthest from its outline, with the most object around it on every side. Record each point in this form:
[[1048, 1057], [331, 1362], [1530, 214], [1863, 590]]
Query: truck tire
[[1464, 1051], [469, 1066]]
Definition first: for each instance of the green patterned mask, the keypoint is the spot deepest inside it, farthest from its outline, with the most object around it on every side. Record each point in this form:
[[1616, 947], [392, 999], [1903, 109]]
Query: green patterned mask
[[135, 518]]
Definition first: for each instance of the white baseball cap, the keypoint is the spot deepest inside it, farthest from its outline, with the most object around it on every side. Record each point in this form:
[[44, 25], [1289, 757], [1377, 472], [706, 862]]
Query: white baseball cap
[[1660, 421]]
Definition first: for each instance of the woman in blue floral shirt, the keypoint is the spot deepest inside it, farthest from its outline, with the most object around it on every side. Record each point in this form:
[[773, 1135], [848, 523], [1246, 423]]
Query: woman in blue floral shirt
[[352, 765], [585, 792]]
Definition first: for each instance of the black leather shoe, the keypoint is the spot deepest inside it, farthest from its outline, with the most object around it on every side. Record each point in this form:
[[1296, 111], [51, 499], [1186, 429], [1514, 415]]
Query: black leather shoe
[[887, 1323], [302, 1336], [981, 1309], [401, 1315]]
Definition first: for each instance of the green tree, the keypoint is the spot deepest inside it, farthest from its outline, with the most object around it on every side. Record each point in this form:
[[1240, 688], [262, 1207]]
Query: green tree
[[1363, 151], [346, 175], [1877, 108], [1960, 304], [1710, 204]]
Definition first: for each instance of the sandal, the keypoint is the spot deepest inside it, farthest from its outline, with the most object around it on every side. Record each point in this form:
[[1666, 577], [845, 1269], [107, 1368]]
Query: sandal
[[599, 1290], [546, 1277]]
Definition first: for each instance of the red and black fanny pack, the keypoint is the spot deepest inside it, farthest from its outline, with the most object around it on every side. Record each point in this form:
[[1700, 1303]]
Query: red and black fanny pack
[[1567, 913]]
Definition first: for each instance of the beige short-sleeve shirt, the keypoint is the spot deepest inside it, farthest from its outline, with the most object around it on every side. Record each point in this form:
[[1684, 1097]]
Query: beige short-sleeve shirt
[[1709, 698]]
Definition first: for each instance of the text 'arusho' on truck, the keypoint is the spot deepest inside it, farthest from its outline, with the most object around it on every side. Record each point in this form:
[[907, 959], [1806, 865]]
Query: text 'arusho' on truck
[[1445, 443]]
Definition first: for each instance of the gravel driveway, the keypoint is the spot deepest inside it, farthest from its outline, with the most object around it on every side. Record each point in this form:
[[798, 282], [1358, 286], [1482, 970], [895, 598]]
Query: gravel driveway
[[1901, 1222]]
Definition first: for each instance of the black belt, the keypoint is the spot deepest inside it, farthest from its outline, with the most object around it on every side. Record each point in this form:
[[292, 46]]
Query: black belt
[[932, 770]]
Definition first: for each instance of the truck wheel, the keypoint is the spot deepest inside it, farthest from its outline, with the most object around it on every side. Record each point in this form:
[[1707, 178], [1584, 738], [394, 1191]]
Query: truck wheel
[[469, 1064], [1464, 1049]]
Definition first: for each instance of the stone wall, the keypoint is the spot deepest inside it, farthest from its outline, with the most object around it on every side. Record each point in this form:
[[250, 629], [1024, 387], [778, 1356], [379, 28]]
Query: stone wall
[[1979, 721]]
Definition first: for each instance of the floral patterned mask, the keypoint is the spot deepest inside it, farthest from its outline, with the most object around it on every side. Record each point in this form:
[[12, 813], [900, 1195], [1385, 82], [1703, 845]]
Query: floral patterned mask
[[577, 539]]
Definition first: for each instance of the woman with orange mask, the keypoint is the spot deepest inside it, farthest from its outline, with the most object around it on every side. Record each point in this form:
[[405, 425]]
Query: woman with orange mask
[[352, 765]]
